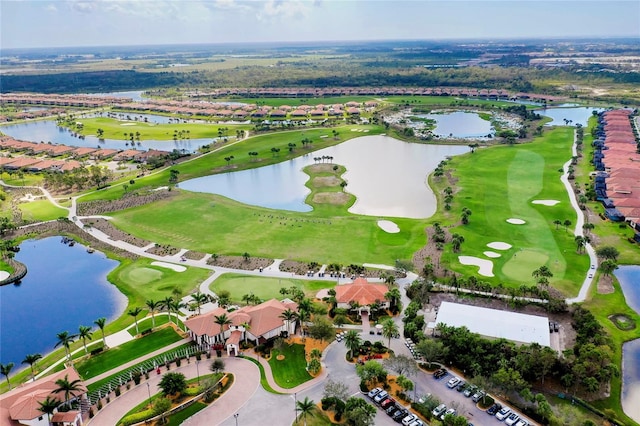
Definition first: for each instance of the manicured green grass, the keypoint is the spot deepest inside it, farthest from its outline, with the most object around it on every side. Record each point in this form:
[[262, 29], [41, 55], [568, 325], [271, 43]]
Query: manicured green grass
[[316, 418], [182, 415], [294, 102], [264, 287], [500, 183], [5, 267], [41, 210], [126, 352], [145, 324], [290, 371], [263, 379], [444, 101]]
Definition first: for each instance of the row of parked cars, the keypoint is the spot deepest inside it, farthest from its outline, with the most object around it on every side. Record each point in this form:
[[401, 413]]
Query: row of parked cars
[[501, 413], [396, 411]]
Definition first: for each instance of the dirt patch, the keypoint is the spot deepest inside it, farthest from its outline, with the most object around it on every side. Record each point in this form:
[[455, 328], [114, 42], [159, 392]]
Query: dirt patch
[[321, 168], [309, 344], [605, 285], [114, 233], [301, 268], [128, 200], [324, 181], [622, 321], [334, 198], [430, 254], [194, 255], [163, 250], [280, 357], [239, 262]]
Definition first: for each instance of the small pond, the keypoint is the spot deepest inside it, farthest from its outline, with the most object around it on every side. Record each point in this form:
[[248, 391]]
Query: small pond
[[136, 95], [629, 278], [460, 124], [387, 176], [576, 115], [65, 287], [48, 131]]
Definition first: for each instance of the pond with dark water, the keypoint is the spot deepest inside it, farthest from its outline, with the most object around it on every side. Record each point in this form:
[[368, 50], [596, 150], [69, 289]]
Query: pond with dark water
[[387, 176], [65, 287]]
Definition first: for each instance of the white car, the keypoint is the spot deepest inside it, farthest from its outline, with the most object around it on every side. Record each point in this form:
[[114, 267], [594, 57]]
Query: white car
[[451, 411], [381, 396], [522, 422], [502, 414], [439, 410], [409, 419], [593, 266], [453, 382], [591, 275], [511, 419], [417, 423], [373, 392]]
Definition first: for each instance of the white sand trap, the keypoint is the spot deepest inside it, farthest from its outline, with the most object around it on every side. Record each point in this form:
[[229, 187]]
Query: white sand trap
[[177, 268], [128, 124], [499, 245], [546, 202], [515, 221], [354, 130], [4, 275], [388, 226], [366, 130], [492, 254], [486, 266]]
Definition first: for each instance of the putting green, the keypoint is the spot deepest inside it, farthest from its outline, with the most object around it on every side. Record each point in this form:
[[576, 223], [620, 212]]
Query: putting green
[[263, 287], [142, 275], [523, 262]]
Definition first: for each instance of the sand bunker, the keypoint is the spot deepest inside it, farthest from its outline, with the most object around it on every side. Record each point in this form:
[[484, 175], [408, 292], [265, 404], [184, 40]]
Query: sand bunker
[[128, 124], [546, 202], [388, 226], [492, 254], [176, 268], [4, 275], [499, 245], [515, 221], [486, 266]]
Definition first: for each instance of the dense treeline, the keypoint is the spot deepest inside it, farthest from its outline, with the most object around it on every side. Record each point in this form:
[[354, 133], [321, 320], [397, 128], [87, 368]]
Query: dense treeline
[[326, 73]]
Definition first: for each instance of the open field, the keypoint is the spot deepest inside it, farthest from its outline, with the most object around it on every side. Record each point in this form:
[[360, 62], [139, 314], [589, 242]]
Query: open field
[[500, 183], [263, 287], [289, 371], [40, 211]]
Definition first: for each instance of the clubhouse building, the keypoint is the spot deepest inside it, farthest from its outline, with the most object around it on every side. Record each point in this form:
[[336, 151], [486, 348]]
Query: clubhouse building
[[361, 295]]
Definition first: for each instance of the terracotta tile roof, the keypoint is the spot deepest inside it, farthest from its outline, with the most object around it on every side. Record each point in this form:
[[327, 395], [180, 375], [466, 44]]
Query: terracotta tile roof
[[64, 416], [361, 291], [234, 339]]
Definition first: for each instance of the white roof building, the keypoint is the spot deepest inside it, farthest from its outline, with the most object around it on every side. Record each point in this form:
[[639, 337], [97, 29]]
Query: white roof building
[[520, 328]]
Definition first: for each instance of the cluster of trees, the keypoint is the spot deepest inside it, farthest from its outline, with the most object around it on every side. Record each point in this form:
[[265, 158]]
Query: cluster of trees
[[78, 179]]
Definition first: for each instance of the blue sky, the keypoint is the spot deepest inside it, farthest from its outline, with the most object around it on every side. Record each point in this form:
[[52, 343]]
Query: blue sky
[[51, 23]]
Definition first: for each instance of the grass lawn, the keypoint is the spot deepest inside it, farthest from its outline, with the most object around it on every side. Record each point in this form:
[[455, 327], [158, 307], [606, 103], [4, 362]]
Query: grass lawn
[[182, 415], [126, 352], [145, 323], [316, 418], [500, 183], [445, 101], [264, 287], [263, 379], [290, 371], [41, 210]]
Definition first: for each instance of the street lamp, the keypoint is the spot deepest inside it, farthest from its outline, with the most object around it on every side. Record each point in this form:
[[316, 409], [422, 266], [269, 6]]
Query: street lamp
[[235, 416], [295, 406], [198, 371], [149, 391]]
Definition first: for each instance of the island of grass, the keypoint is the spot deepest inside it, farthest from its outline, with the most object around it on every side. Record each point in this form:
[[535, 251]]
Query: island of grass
[[327, 186]]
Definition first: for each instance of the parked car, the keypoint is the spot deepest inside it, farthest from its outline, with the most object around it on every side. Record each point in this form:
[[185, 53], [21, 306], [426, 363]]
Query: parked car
[[591, 275], [417, 423], [374, 392], [400, 414], [451, 411], [391, 410], [440, 373], [556, 327], [494, 409], [511, 419], [522, 422], [453, 382], [593, 266], [503, 413], [461, 386], [388, 401], [550, 327], [470, 391], [410, 418], [381, 396], [439, 410], [478, 396]]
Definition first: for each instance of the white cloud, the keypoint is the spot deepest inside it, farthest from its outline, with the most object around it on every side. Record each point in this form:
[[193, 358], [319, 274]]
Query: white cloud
[[51, 8], [285, 9]]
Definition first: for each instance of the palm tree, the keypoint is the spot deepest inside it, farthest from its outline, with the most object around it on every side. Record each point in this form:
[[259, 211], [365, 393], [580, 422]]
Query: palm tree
[[352, 341], [31, 359], [84, 332], [65, 339], [134, 313], [166, 304], [199, 299], [101, 322], [153, 307], [393, 296], [222, 320], [5, 369], [557, 223], [246, 327], [70, 389], [289, 317], [48, 406], [175, 306], [389, 329], [305, 407]]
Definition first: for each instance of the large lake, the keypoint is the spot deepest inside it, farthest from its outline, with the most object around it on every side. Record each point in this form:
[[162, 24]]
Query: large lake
[[575, 114], [65, 287], [460, 124], [629, 278], [388, 177]]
